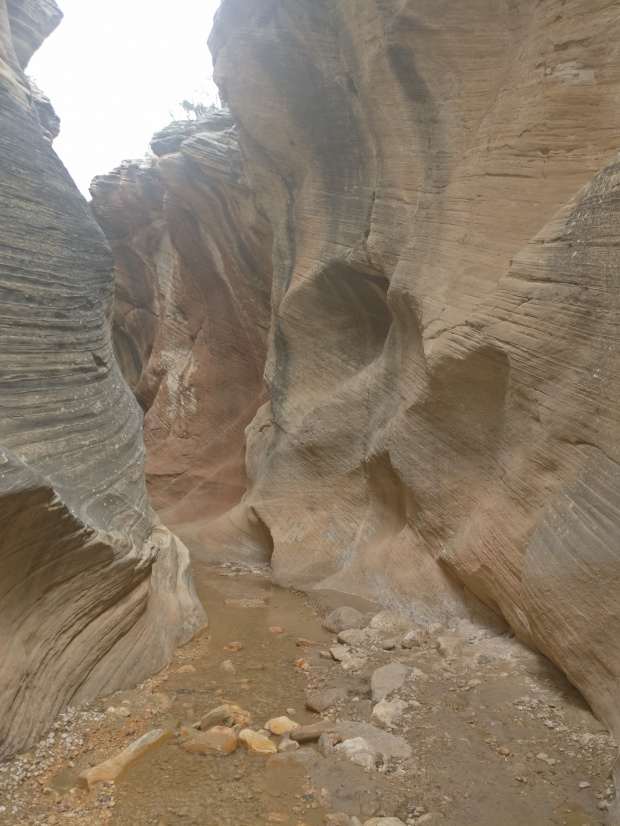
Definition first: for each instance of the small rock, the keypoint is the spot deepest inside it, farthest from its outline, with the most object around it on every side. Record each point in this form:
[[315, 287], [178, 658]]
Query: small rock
[[220, 716], [356, 745], [113, 768], [324, 699], [383, 742], [584, 784], [391, 624], [241, 716], [256, 743], [308, 734], [603, 805], [287, 744], [187, 669], [228, 667], [338, 819], [234, 646], [413, 639], [280, 725], [343, 618], [354, 636], [339, 652], [301, 757], [275, 629], [387, 712], [390, 644], [325, 744], [354, 821], [386, 679], [217, 740]]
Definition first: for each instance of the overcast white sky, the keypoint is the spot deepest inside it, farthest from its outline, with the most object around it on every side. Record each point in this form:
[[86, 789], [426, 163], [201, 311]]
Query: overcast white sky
[[115, 69]]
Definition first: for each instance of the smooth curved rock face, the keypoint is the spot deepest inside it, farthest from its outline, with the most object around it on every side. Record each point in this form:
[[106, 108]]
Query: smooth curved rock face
[[443, 362], [94, 592], [192, 312]]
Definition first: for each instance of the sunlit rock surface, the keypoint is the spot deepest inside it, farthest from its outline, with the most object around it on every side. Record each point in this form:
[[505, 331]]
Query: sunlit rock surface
[[94, 592], [443, 363], [192, 312]]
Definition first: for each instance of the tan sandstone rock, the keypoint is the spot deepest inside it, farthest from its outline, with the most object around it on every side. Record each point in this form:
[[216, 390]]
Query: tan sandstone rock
[[257, 743], [217, 740], [116, 766], [95, 592]]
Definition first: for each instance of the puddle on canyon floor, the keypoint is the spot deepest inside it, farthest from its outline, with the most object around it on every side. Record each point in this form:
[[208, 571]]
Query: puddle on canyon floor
[[477, 727]]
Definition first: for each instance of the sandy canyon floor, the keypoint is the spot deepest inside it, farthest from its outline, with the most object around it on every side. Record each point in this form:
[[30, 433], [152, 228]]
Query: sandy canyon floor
[[489, 732]]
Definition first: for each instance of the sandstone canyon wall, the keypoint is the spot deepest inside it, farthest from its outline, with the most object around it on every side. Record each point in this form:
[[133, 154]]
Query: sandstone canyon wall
[[94, 592], [192, 312], [442, 186], [441, 431]]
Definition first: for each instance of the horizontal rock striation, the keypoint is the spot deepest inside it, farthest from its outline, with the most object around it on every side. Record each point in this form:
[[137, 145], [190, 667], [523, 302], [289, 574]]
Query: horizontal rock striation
[[94, 592], [442, 184], [192, 312]]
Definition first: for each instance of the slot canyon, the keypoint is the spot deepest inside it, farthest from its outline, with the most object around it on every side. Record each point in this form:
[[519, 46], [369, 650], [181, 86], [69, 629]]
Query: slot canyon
[[350, 339]]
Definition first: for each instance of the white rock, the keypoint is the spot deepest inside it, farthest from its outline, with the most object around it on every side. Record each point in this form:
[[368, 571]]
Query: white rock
[[356, 745], [387, 712]]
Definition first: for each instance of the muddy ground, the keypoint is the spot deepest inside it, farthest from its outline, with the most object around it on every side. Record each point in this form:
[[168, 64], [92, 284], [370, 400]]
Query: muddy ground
[[492, 732]]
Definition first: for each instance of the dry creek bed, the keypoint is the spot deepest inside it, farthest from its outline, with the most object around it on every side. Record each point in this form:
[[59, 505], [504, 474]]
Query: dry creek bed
[[474, 728]]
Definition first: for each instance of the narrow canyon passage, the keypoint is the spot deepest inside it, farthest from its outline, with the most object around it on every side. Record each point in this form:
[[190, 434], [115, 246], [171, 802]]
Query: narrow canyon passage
[[475, 728]]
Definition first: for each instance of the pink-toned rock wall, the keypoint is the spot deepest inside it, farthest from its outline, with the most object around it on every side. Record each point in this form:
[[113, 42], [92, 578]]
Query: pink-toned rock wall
[[192, 312]]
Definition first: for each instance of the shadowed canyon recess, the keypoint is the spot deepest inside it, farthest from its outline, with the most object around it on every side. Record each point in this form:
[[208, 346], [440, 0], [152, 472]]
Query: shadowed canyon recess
[[369, 314]]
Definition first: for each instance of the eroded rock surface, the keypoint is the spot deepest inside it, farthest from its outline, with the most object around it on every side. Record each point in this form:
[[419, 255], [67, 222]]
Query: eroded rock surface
[[192, 313], [440, 181], [443, 365], [94, 592]]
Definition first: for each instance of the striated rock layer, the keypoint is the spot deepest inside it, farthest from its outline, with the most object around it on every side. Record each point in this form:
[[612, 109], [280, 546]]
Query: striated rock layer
[[94, 592], [443, 190], [192, 312]]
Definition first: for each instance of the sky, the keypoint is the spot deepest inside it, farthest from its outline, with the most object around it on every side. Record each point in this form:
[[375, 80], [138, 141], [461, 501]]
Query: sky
[[116, 72]]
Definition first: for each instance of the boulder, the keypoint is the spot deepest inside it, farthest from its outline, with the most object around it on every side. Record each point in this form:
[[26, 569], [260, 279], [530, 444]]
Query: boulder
[[342, 619]]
